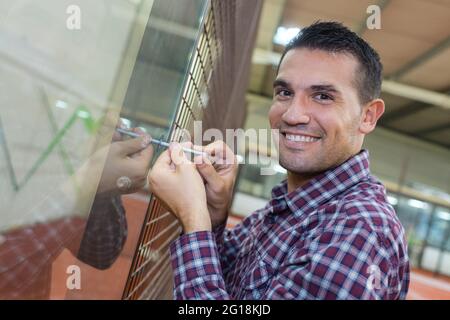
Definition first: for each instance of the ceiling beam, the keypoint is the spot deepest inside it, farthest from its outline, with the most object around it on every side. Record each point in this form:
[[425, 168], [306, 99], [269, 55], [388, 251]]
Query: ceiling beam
[[404, 111], [421, 59], [433, 129], [415, 135], [415, 93], [407, 110], [271, 17]]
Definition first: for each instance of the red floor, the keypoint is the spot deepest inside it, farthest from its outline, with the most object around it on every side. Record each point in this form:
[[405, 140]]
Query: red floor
[[426, 286]]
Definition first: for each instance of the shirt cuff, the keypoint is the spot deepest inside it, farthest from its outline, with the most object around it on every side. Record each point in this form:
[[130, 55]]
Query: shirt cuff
[[193, 256]]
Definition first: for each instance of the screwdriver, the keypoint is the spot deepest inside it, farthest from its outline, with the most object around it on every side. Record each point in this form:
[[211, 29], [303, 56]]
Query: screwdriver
[[161, 143]]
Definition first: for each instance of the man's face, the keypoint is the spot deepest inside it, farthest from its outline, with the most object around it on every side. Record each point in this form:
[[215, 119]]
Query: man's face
[[317, 110]]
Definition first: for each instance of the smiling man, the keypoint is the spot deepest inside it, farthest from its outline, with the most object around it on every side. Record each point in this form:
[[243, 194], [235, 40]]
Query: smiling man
[[328, 232]]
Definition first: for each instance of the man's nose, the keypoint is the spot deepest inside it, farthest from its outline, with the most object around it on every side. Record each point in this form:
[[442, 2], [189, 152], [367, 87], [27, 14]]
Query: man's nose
[[297, 113]]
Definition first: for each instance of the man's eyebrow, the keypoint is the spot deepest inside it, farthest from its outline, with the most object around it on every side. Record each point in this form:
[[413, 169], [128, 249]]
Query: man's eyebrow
[[324, 87], [315, 87], [280, 83]]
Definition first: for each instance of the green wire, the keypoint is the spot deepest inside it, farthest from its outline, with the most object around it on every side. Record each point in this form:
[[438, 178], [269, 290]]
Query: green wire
[[62, 150], [55, 141], [91, 126]]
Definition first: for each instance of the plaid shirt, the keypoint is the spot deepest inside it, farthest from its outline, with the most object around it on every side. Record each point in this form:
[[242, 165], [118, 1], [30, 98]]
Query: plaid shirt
[[336, 237]]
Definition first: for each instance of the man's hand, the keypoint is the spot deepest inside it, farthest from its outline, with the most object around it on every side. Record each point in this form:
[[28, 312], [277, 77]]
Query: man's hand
[[125, 168], [118, 168], [176, 182], [126, 165], [219, 179]]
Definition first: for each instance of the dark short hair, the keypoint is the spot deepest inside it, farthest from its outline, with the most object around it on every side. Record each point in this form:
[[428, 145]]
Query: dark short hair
[[335, 37]]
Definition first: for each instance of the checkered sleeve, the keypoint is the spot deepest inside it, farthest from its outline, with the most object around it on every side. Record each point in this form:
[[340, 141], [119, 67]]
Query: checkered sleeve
[[347, 262], [201, 259], [105, 233], [197, 269]]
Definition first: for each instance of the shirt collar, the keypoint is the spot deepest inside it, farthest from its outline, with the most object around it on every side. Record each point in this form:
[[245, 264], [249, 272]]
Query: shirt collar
[[323, 187]]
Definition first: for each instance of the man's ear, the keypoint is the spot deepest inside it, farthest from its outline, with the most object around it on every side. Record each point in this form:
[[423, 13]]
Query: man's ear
[[372, 111]]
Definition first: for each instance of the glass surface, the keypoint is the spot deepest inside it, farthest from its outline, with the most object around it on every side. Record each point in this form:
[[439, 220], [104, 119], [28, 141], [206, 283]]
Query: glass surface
[[252, 182], [414, 215], [440, 228], [68, 71]]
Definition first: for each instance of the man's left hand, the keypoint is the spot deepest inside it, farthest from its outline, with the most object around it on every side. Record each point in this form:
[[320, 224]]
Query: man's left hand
[[176, 182]]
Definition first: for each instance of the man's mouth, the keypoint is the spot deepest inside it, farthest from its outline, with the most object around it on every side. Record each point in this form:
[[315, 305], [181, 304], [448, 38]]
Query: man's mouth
[[300, 137]]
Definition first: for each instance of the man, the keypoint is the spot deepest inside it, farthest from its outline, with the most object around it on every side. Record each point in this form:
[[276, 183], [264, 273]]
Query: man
[[328, 232]]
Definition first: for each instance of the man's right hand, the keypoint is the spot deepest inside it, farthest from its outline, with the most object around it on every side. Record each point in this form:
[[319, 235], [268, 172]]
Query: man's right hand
[[219, 178]]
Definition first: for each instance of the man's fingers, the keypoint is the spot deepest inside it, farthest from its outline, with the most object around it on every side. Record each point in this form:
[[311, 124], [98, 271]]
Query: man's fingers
[[142, 132], [144, 156], [160, 168], [220, 152], [177, 154], [162, 164], [208, 173], [187, 144], [128, 147], [197, 147], [116, 136]]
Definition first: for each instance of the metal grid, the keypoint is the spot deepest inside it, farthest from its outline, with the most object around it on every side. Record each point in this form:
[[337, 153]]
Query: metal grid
[[214, 92]]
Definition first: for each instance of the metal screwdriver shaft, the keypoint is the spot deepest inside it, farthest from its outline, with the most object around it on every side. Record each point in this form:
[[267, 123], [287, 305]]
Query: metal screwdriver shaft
[[161, 143]]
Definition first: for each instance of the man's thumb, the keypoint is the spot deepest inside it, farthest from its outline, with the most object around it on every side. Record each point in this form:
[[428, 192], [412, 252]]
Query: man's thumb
[[208, 173], [177, 154], [131, 146]]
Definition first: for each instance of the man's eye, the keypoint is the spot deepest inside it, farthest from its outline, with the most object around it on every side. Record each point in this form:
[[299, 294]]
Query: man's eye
[[323, 97], [283, 93]]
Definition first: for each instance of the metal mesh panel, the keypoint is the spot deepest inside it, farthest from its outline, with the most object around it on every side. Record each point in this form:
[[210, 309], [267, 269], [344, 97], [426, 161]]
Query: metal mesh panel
[[214, 92]]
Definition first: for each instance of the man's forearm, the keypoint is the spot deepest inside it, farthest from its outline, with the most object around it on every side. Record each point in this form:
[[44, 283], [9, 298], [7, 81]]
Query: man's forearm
[[195, 220]]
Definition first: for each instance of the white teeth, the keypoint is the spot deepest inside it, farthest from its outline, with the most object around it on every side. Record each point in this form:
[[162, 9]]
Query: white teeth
[[300, 138]]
